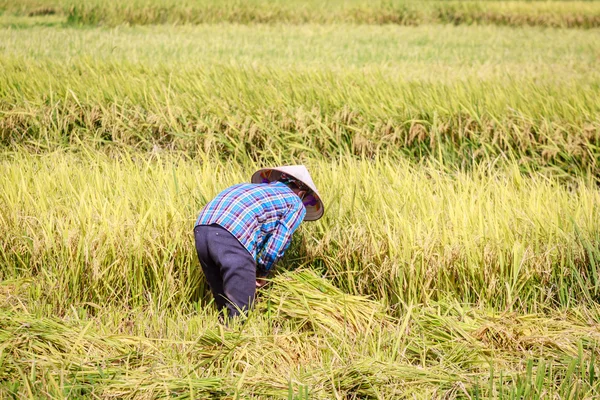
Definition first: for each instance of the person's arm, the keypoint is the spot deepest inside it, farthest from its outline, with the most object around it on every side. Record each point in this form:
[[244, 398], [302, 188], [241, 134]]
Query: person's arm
[[281, 238]]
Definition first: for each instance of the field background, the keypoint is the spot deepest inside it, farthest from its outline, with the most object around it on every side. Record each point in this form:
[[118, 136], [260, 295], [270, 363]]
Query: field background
[[456, 145]]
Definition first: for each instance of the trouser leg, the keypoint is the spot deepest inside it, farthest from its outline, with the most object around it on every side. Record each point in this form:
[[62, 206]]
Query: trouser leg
[[210, 269], [237, 267]]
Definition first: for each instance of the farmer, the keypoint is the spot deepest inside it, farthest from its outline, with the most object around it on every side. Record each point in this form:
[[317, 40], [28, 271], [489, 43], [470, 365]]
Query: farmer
[[243, 231]]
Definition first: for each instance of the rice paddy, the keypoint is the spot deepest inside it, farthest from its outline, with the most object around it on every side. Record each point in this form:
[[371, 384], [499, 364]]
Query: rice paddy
[[456, 145]]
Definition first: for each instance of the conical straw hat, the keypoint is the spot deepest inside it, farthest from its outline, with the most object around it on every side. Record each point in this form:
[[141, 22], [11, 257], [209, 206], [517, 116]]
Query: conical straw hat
[[298, 172]]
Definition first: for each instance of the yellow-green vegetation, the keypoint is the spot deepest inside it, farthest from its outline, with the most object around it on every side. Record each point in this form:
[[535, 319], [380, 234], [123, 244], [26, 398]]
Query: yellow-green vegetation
[[481, 282], [459, 255], [457, 94], [570, 14], [403, 234], [307, 339]]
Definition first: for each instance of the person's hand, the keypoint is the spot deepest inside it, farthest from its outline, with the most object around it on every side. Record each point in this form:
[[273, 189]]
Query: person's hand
[[260, 282]]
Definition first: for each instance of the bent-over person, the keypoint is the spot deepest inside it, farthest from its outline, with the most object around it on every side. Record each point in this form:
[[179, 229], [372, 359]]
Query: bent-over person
[[242, 233]]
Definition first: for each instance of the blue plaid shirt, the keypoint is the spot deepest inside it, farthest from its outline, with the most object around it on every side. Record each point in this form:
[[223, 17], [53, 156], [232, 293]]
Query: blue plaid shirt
[[261, 216]]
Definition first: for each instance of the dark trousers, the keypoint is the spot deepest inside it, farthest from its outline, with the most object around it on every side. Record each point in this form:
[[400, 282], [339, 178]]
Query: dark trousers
[[229, 268]]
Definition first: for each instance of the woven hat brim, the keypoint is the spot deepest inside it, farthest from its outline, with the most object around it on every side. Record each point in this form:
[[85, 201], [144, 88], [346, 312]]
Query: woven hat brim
[[300, 173]]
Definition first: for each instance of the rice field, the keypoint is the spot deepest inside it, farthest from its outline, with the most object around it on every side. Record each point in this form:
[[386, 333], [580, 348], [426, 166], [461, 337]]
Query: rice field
[[456, 146], [567, 13], [459, 94]]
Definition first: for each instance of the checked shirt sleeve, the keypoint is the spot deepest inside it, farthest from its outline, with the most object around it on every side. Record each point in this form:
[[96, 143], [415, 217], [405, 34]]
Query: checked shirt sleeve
[[281, 238]]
